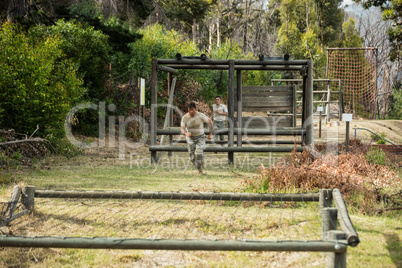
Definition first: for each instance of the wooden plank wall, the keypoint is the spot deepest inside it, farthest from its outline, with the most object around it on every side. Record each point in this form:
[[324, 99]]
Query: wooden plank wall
[[278, 102]]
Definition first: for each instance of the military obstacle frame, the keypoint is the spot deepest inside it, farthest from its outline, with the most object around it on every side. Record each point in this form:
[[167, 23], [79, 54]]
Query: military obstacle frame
[[235, 68]]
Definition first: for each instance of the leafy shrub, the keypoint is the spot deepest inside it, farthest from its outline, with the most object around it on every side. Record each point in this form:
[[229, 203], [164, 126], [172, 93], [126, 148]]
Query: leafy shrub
[[395, 104], [64, 147], [89, 50], [38, 84], [378, 139], [376, 156]]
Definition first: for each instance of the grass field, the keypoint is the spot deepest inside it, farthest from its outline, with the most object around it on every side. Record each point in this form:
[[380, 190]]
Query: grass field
[[380, 235]]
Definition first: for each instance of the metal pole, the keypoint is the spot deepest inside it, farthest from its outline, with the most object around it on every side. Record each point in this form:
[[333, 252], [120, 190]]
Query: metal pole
[[231, 109], [239, 107], [145, 195], [245, 131], [170, 122], [171, 244], [154, 91]]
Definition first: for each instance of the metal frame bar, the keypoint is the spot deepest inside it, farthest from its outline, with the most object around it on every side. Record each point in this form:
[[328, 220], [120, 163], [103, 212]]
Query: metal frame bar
[[170, 244], [312, 197], [328, 92], [259, 149], [334, 242], [232, 66], [245, 131]]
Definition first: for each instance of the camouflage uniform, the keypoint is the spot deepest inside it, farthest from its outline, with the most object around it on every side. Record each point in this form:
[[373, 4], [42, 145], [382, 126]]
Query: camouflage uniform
[[196, 142]]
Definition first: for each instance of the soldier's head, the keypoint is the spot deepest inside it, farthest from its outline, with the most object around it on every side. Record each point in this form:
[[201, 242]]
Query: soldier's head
[[218, 100], [192, 109]]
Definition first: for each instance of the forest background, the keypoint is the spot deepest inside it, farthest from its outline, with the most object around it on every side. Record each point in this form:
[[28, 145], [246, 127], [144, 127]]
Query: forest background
[[56, 54]]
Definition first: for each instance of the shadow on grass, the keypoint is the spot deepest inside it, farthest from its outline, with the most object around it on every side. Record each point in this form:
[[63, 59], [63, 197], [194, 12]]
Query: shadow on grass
[[394, 248]]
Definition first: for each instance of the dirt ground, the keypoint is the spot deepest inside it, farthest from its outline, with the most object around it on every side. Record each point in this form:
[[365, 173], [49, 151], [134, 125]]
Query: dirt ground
[[331, 130]]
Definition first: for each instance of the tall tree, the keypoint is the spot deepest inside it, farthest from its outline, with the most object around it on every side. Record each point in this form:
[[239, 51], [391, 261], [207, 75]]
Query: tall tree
[[16, 8], [351, 36], [330, 18], [189, 13], [392, 11]]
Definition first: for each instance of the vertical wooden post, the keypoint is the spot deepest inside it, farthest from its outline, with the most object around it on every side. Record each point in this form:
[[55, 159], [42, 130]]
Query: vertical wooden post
[[329, 217], [170, 121], [329, 221], [328, 110], [376, 88], [326, 198], [239, 108], [231, 109], [295, 105], [347, 136], [154, 91], [336, 259], [319, 126], [340, 100], [27, 199], [304, 89], [12, 204], [308, 120], [140, 127]]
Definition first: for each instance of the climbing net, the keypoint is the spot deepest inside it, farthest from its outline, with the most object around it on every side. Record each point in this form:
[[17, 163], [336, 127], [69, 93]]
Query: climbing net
[[356, 67]]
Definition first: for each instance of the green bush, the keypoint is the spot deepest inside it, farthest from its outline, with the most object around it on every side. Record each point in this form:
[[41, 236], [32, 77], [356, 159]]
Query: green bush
[[38, 85], [377, 139], [376, 156], [395, 103], [90, 52]]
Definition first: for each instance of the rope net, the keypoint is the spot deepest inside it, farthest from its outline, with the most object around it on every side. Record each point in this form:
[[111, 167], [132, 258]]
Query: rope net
[[156, 218], [356, 67]]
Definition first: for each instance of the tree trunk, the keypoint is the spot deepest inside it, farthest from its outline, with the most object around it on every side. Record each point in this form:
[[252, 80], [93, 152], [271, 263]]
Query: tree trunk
[[245, 41], [322, 25], [218, 26], [194, 28], [16, 8], [211, 33], [218, 32]]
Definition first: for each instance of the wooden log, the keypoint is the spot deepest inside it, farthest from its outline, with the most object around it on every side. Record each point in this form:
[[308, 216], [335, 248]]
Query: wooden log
[[267, 122], [285, 131], [243, 149], [8, 220], [344, 219], [267, 109], [268, 88], [12, 204], [170, 244], [27, 198], [160, 195]]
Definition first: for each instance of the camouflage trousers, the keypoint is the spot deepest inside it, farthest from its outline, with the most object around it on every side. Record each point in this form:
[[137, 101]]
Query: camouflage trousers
[[218, 125], [196, 146]]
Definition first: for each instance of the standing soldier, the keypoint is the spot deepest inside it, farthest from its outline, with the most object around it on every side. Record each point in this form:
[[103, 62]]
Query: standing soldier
[[220, 115], [192, 126]]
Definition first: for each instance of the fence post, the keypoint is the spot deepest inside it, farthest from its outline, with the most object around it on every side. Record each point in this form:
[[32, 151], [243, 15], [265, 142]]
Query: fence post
[[336, 260], [27, 198], [325, 198], [328, 214]]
